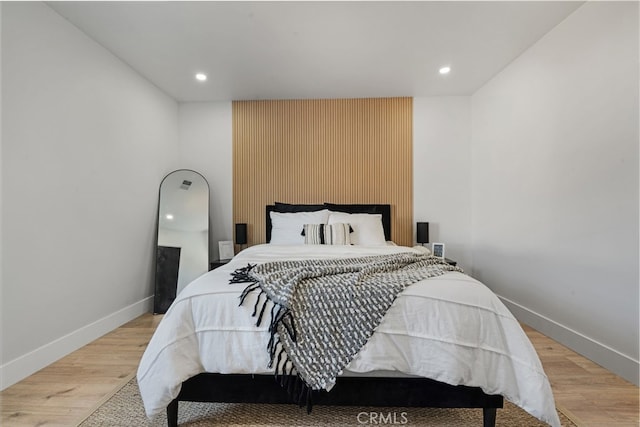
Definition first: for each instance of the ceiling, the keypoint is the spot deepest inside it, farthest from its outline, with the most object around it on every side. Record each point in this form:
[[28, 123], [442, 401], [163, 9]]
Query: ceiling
[[294, 50]]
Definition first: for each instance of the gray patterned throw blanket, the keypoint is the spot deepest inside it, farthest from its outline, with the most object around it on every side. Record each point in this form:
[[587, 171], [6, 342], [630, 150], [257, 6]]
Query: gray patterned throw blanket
[[324, 311]]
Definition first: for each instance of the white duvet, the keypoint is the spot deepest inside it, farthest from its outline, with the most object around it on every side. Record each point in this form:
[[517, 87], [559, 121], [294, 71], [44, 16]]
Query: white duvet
[[450, 328]]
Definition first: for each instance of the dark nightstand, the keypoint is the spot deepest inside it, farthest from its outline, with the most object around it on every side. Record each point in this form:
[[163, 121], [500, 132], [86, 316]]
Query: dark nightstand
[[218, 263], [451, 262]]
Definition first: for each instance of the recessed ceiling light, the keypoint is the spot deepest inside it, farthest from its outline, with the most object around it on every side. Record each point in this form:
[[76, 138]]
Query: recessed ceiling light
[[169, 216], [445, 70], [201, 77]]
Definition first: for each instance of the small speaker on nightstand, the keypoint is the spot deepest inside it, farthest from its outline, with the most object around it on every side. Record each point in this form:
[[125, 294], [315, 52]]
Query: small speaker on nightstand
[[422, 233], [241, 234]]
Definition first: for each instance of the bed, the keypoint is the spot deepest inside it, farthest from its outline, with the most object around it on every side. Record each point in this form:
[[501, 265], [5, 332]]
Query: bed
[[446, 341]]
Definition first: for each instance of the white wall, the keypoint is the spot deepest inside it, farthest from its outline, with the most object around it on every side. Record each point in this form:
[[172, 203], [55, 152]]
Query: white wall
[[85, 143], [1, 203], [555, 184], [442, 172], [206, 147]]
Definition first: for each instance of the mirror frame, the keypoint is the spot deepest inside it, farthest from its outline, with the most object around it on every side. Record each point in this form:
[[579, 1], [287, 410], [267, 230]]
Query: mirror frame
[[167, 258]]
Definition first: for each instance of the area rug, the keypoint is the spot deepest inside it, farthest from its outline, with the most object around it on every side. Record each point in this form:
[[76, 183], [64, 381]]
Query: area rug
[[124, 409]]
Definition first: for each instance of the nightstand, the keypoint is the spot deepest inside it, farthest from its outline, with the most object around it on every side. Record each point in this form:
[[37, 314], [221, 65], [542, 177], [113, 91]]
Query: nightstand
[[451, 262], [218, 263]]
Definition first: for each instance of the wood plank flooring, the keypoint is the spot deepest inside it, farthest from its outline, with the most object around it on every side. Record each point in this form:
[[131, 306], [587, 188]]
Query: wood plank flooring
[[63, 393], [592, 395]]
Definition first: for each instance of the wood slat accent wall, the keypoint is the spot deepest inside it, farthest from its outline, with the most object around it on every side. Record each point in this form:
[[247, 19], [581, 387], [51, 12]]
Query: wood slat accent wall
[[329, 150]]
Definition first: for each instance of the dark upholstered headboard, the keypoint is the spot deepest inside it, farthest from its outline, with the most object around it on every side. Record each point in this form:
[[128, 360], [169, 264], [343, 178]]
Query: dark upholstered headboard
[[384, 210]]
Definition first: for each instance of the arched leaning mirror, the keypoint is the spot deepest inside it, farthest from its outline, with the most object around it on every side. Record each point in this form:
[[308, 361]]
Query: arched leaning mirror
[[182, 244]]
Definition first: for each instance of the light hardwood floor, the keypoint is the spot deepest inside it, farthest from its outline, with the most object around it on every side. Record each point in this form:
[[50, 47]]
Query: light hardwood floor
[[63, 393]]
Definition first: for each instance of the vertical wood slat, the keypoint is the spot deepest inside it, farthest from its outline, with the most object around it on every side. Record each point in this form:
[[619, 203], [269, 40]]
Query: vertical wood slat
[[328, 150]]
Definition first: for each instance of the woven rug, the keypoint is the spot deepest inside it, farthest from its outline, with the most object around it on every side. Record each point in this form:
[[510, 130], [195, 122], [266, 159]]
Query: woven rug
[[124, 409]]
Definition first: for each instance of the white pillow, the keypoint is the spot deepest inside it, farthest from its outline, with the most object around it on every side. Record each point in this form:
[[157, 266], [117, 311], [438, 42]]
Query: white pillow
[[367, 228], [422, 249], [286, 228]]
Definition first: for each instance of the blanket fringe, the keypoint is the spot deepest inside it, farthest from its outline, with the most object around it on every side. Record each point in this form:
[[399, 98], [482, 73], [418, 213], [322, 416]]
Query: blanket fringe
[[241, 275], [296, 387]]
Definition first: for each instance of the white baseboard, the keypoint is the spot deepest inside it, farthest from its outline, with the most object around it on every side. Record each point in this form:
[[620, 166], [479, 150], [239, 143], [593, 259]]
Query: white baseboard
[[25, 365], [607, 357]]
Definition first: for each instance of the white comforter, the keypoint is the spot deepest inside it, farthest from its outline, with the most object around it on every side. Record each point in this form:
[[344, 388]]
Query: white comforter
[[449, 328]]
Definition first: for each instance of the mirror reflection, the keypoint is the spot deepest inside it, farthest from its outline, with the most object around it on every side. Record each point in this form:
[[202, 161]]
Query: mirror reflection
[[183, 234]]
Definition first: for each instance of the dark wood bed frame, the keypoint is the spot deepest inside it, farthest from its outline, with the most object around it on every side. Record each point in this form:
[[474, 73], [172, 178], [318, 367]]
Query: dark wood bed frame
[[348, 391]]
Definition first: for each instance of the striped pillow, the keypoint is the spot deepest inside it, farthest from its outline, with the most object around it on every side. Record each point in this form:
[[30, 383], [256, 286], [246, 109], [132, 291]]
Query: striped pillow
[[324, 234]]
